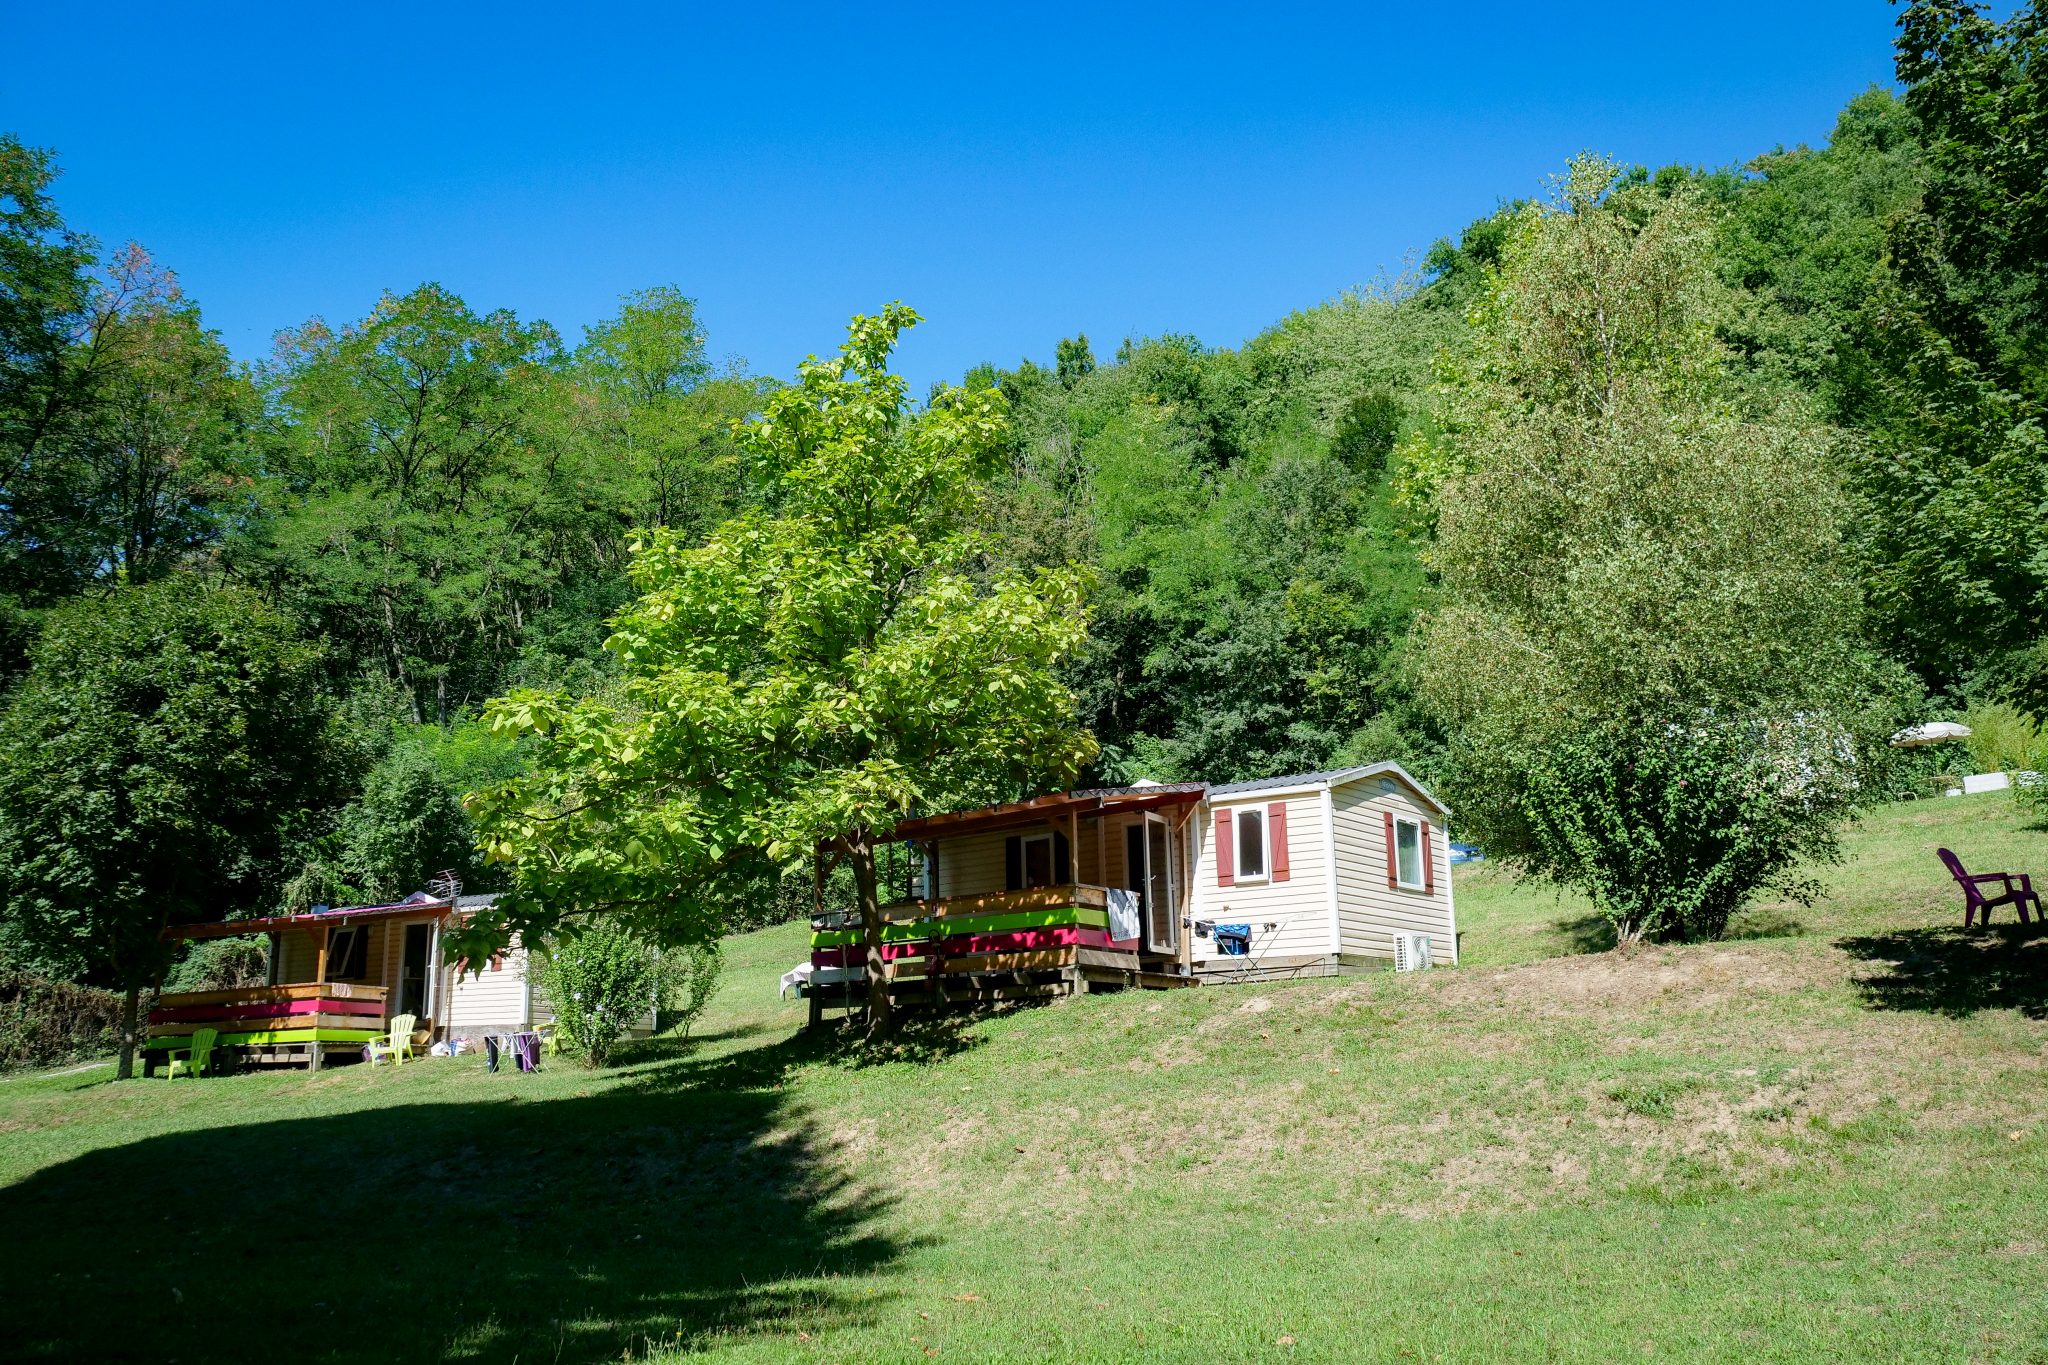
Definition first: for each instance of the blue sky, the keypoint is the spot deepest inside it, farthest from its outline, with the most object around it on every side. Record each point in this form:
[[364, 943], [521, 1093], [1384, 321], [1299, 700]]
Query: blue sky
[[1015, 176]]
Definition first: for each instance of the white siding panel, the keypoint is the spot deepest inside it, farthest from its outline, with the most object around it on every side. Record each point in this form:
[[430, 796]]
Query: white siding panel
[[1369, 912], [493, 1002], [1299, 906], [488, 1001]]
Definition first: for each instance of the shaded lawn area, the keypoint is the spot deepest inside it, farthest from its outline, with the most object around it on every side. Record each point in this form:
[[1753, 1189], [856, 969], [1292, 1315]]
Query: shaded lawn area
[[1826, 1144], [435, 1213]]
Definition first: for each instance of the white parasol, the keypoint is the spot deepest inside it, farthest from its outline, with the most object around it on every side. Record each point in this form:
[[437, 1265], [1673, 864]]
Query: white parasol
[[1934, 732]]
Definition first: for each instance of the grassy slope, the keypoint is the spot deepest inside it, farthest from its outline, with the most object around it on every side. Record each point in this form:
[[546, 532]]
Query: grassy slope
[[1826, 1142]]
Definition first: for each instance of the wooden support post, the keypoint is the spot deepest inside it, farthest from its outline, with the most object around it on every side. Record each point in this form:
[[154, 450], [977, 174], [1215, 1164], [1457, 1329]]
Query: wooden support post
[[1183, 853], [320, 966], [1073, 844], [317, 1052]]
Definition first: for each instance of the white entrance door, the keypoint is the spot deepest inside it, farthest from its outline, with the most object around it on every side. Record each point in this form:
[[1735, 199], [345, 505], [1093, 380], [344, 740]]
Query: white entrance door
[[1149, 871]]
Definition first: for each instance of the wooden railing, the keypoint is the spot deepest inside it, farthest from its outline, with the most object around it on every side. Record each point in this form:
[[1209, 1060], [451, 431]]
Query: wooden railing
[[998, 902], [329, 1011]]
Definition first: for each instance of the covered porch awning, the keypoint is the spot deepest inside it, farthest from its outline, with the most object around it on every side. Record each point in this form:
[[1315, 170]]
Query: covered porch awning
[[313, 921], [1049, 810]]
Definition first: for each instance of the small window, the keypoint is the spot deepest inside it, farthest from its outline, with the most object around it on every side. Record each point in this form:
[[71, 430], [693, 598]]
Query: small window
[[1408, 853], [1251, 844], [1038, 861], [348, 953]]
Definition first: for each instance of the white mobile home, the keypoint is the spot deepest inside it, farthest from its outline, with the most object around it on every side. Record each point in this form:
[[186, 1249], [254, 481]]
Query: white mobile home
[[1340, 868], [1158, 885]]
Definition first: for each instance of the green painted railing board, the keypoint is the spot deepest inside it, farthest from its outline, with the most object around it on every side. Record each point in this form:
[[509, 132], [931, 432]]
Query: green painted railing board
[[953, 925], [278, 1037]]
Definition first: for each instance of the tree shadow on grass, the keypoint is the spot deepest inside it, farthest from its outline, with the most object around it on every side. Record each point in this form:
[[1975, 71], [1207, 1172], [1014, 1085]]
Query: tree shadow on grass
[[687, 1202], [1957, 972], [1767, 922], [1592, 933]]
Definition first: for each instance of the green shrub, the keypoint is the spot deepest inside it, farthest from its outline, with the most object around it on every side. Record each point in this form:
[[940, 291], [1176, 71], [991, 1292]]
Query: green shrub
[[2004, 739], [599, 977], [1670, 829], [686, 979], [220, 964], [44, 1022]]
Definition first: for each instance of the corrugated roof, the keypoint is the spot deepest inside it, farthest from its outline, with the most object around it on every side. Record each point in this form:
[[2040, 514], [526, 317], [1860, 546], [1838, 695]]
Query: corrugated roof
[[1290, 780], [1141, 789], [1334, 777]]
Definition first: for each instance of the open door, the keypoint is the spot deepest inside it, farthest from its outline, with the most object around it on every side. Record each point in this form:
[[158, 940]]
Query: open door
[[1149, 871], [412, 972]]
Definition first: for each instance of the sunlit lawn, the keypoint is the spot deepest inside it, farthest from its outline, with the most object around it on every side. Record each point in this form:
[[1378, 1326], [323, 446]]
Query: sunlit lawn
[[1824, 1142]]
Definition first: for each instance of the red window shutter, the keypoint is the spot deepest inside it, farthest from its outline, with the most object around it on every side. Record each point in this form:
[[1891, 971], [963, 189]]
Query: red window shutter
[[1393, 860], [1226, 852], [497, 962], [1428, 861], [1276, 835]]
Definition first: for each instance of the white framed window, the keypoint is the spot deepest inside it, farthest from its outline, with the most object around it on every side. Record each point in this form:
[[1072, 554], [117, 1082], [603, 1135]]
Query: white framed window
[[1409, 870], [1253, 862]]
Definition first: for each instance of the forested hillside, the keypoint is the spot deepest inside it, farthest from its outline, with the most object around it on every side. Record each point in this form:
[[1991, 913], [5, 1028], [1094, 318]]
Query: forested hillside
[[444, 498]]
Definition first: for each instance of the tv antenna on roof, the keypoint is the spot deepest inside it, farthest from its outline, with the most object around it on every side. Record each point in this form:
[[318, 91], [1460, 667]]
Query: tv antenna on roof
[[445, 886]]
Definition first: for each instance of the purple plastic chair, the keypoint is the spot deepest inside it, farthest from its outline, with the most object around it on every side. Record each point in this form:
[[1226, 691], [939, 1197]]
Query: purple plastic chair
[[2019, 891]]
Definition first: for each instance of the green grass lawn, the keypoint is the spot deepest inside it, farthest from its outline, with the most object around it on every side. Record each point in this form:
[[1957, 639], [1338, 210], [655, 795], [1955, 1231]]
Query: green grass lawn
[[1822, 1140]]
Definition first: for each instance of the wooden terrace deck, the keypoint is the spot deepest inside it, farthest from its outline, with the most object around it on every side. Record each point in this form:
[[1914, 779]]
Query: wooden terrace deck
[[303, 1021], [1005, 945]]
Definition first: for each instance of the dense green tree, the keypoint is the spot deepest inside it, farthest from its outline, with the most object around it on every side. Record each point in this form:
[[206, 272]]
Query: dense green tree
[[46, 293], [1366, 432], [1956, 472], [152, 766], [1073, 360], [1804, 240], [407, 825], [166, 445], [804, 677], [601, 976], [1978, 89], [423, 508], [1645, 652], [649, 398], [1254, 584], [122, 420]]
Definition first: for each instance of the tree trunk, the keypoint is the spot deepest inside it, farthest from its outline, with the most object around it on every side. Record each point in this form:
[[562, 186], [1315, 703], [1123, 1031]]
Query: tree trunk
[[861, 846], [128, 1013]]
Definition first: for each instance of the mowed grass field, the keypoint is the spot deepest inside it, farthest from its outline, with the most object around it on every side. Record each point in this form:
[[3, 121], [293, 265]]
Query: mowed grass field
[[1824, 1140]]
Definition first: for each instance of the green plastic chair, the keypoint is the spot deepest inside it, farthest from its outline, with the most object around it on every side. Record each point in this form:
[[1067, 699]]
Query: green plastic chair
[[197, 1057], [398, 1045]]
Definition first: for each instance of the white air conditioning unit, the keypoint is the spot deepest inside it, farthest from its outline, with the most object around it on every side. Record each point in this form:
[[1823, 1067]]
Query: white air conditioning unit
[[1411, 952]]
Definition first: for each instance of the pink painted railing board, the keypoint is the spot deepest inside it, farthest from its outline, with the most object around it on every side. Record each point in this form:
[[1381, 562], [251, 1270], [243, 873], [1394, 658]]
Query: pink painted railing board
[[272, 1010], [1019, 940]]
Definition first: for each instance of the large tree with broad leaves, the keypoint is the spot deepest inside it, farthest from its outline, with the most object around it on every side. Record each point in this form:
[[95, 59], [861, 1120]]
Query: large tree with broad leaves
[[807, 676]]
